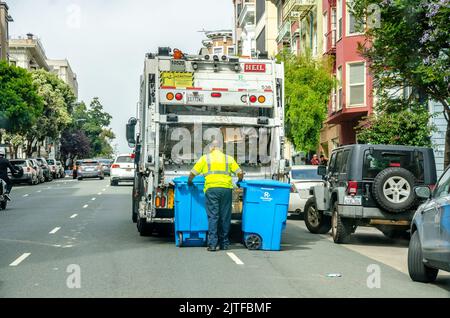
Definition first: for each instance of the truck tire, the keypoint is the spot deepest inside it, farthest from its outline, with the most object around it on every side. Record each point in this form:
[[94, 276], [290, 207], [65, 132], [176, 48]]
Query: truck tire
[[341, 228], [144, 229], [393, 190], [418, 271], [316, 221], [134, 213], [3, 205]]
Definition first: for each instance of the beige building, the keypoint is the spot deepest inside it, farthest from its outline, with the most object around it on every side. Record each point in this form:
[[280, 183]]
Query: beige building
[[28, 53], [64, 71], [266, 27], [219, 42], [245, 27], [5, 18]]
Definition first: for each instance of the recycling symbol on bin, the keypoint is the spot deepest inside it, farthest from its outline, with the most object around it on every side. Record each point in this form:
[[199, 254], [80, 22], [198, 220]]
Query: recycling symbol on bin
[[266, 197]]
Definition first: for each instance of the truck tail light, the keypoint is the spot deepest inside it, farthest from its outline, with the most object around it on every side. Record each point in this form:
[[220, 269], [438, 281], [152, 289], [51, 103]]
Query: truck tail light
[[170, 96], [163, 202], [253, 99], [352, 188], [133, 156], [179, 96], [158, 202], [216, 95], [170, 199], [261, 99]]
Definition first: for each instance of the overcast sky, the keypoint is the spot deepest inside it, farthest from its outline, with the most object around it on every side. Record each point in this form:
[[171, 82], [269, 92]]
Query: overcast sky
[[105, 41]]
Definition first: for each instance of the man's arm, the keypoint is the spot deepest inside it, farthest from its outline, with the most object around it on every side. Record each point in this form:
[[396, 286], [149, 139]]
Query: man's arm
[[237, 170]]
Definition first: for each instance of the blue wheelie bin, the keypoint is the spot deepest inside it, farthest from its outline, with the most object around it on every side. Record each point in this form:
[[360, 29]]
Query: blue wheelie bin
[[191, 220], [265, 211]]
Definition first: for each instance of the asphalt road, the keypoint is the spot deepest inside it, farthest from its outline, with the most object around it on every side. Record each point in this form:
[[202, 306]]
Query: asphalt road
[[67, 234]]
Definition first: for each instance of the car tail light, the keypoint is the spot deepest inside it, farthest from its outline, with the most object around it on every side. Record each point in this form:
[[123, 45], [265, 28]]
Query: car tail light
[[115, 166], [163, 202], [253, 99], [170, 96], [261, 99], [133, 156], [352, 187], [293, 189], [394, 165], [179, 96], [216, 95]]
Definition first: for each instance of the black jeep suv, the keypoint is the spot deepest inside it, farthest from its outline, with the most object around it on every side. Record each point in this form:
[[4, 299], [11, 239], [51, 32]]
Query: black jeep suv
[[369, 185]]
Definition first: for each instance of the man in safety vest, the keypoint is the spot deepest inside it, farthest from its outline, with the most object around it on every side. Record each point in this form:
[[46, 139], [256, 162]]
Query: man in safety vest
[[217, 169]]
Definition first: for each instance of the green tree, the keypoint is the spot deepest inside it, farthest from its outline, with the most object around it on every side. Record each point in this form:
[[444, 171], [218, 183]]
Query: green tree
[[408, 48], [20, 105], [406, 127], [58, 100], [308, 85]]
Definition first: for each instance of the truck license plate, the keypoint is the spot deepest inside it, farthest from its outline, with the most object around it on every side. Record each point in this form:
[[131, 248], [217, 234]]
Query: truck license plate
[[353, 200], [195, 98]]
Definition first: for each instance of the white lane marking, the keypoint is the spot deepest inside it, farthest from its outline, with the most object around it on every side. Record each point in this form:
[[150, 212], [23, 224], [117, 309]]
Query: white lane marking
[[26, 195], [56, 229], [18, 188], [39, 191], [235, 259], [108, 186], [85, 206], [104, 190], [93, 199], [74, 216], [99, 193], [20, 259]]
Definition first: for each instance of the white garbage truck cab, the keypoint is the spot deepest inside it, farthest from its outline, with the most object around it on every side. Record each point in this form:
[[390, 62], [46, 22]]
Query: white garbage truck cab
[[186, 102]]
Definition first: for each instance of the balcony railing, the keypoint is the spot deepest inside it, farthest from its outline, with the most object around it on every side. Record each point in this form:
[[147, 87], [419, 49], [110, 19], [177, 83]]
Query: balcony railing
[[247, 14], [284, 33], [331, 42], [296, 9]]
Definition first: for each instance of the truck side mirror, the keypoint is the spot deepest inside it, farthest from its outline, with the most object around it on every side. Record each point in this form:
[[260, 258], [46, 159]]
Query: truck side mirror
[[131, 132], [322, 171]]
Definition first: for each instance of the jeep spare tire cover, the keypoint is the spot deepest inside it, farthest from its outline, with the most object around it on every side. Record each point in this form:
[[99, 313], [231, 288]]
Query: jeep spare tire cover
[[393, 190]]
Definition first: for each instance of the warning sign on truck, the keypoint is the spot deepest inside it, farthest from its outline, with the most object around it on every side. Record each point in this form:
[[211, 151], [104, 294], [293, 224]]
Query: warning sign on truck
[[177, 79]]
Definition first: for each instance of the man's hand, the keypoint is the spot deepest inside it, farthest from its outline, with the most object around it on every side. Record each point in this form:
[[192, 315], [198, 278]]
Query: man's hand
[[190, 180], [190, 183]]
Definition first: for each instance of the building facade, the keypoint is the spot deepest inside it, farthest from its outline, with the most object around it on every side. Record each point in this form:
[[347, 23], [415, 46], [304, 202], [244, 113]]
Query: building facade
[[244, 27], [64, 71], [266, 30], [353, 98], [5, 18], [28, 53], [219, 42]]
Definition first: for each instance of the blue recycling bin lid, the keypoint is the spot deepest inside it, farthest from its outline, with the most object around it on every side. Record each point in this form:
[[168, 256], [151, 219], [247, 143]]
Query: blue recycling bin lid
[[265, 183], [184, 180]]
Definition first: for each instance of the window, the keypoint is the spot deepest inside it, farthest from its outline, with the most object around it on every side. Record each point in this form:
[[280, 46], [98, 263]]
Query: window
[[333, 100], [218, 50], [353, 27], [443, 186], [339, 18], [325, 32], [230, 50], [260, 9], [344, 163], [339, 96], [332, 165], [305, 174], [356, 84], [124, 159]]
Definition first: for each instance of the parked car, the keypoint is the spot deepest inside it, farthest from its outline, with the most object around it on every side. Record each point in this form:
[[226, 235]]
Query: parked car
[[106, 163], [46, 168], [29, 175], [90, 169], [429, 248], [60, 169], [122, 169], [370, 185], [302, 178], [39, 170], [53, 168], [75, 168]]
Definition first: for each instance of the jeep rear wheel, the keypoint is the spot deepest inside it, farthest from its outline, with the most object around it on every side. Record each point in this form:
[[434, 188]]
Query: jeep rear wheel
[[418, 271], [393, 189], [341, 228], [316, 221]]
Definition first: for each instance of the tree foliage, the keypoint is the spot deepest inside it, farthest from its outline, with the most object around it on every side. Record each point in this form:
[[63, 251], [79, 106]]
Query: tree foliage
[[75, 144], [20, 105], [308, 85]]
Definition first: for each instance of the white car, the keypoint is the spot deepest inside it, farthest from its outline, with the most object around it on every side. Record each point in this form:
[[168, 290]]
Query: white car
[[122, 169], [302, 178]]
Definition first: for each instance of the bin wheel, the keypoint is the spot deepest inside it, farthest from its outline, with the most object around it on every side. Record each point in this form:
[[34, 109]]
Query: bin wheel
[[253, 242], [180, 239]]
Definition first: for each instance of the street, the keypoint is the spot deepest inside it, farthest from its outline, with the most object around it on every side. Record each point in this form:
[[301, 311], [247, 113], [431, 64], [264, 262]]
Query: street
[[52, 229]]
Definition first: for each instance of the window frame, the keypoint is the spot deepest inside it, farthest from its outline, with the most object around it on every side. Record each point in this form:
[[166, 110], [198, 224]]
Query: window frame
[[347, 21], [348, 85], [339, 86]]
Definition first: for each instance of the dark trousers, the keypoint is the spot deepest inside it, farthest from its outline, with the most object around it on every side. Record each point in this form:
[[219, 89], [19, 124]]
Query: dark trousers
[[9, 184], [218, 208]]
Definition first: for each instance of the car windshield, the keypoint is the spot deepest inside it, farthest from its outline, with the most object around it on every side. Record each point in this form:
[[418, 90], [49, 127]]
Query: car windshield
[[124, 159], [378, 160], [305, 174], [89, 163], [21, 163]]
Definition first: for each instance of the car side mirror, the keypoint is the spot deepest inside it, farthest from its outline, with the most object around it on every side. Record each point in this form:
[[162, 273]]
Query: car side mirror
[[322, 171], [131, 132], [423, 192]]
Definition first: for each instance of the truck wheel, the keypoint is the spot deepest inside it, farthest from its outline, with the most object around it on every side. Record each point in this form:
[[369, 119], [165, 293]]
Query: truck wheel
[[134, 210], [341, 228], [316, 221], [3, 205], [418, 271], [393, 190], [144, 229]]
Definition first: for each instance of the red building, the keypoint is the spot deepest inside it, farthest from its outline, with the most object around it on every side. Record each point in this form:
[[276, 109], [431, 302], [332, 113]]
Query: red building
[[352, 99]]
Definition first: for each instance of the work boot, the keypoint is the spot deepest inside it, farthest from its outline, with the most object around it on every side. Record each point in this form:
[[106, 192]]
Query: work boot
[[212, 249], [224, 247]]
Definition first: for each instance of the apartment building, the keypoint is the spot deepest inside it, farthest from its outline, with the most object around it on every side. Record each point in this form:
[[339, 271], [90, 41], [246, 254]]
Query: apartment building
[[64, 71], [5, 18], [245, 27], [219, 42], [28, 53]]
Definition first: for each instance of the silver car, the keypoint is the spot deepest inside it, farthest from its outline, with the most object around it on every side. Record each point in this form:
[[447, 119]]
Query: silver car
[[90, 169], [39, 170]]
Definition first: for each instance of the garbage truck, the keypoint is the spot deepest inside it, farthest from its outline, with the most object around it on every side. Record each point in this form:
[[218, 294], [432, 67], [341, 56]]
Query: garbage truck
[[188, 101]]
